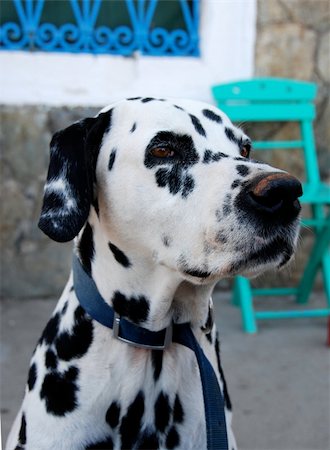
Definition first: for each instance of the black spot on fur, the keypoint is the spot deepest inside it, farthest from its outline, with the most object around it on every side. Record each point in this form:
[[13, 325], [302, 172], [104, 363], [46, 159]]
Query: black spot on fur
[[75, 344], [135, 309], [172, 439], [113, 414], [221, 238], [86, 248], [188, 186], [157, 362], [131, 422], [212, 116], [225, 390], [133, 127], [65, 307], [166, 241], [162, 177], [208, 326], [231, 135], [162, 412], [197, 125], [32, 376], [50, 359], [147, 99], [209, 337], [107, 444], [59, 390], [51, 329], [119, 255], [235, 184], [112, 159], [178, 414], [175, 180], [134, 98], [148, 441], [79, 314], [242, 170], [22, 431], [227, 207], [178, 107], [209, 156]]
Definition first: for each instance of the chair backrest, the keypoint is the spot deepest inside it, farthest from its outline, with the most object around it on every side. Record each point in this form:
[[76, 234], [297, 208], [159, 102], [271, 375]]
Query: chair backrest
[[274, 99], [267, 99]]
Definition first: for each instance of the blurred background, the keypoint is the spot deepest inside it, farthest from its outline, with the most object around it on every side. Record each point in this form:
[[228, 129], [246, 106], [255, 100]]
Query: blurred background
[[62, 60], [49, 80]]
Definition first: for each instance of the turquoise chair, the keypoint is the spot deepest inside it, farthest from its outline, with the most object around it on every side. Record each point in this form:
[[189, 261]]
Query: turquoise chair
[[284, 100]]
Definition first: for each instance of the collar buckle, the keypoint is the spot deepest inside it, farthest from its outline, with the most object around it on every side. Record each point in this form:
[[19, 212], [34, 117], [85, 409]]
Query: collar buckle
[[167, 338]]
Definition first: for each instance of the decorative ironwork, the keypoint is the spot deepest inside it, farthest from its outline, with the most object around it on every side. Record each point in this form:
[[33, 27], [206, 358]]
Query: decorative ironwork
[[30, 32]]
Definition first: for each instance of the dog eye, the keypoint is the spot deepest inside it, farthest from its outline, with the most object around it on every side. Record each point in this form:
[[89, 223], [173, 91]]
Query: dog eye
[[245, 150], [162, 152]]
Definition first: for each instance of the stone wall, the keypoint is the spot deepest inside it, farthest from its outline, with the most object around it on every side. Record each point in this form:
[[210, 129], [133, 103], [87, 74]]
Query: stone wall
[[292, 41], [31, 264]]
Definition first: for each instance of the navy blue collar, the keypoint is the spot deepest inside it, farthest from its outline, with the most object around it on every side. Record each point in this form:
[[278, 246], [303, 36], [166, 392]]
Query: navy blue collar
[[126, 331]]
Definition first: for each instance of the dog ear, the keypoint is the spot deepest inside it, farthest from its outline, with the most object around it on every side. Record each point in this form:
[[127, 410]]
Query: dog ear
[[68, 191]]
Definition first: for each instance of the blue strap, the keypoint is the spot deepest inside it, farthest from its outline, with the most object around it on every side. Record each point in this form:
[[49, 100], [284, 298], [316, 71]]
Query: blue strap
[[92, 302], [89, 296], [216, 430]]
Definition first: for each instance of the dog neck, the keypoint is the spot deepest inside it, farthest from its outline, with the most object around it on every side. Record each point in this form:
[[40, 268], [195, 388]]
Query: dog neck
[[139, 288]]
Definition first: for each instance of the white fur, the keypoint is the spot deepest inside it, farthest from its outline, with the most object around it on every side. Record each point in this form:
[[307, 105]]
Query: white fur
[[135, 214]]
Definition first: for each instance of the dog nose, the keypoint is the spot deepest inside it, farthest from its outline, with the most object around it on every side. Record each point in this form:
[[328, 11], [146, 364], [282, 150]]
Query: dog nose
[[275, 193]]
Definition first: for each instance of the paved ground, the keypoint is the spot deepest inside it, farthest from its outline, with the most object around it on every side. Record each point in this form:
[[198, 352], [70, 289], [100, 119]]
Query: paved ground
[[279, 379]]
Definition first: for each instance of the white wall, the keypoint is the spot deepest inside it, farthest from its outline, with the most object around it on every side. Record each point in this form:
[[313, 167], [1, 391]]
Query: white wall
[[227, 53]]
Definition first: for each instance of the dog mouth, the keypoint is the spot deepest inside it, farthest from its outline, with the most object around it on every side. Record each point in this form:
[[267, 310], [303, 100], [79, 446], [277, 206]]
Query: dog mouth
[[258, 251], [249, 259], [275, 253], [197, 273]]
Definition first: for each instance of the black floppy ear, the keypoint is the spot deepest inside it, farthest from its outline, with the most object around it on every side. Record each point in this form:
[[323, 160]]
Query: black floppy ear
[[69, 187]]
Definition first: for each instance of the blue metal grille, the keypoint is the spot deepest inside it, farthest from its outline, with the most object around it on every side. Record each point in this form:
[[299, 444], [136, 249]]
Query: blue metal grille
[[85, 34]]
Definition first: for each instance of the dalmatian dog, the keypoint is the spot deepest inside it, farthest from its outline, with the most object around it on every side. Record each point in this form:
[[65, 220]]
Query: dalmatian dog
[[163, 200]]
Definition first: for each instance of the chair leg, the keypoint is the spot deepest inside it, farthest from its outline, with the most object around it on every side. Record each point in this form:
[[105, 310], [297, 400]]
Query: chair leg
[[326, 275], [243, 295], [235, 299], [320, 255]]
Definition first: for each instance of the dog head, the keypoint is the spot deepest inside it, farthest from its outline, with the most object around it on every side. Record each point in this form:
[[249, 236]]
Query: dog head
[[174, 181]]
